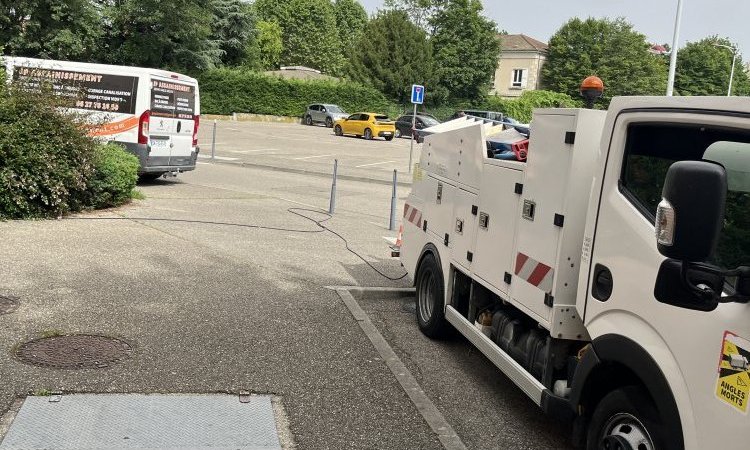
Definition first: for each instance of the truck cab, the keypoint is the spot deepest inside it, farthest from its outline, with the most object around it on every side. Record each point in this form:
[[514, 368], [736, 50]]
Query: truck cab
[[606, 274]]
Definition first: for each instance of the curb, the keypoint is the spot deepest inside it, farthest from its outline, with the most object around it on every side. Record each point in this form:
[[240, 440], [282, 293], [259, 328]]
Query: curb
[[246, 117]]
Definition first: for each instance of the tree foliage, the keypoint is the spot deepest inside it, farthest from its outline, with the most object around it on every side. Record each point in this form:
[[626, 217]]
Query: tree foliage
[[153, 33], [233, 28], [269, 44], [609, 49], [465, 49], [351, 19], [703, 68], [309, 33], [57, 29], [418, 11], [408, 60]]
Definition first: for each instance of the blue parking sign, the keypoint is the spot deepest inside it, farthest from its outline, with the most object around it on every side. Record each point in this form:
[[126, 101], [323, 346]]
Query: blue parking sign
[[417, 94]]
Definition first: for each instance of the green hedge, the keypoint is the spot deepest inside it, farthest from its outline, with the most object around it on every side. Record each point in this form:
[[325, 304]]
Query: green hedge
[[521, 108], [226, 91], [114, 178], [48, 165]]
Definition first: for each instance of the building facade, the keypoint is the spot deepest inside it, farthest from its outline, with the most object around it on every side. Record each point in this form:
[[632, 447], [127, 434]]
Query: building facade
[[520, 64]]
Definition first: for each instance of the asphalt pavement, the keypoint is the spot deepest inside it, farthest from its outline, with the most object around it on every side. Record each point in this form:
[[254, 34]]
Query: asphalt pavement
[[297, 148], [219, 285]]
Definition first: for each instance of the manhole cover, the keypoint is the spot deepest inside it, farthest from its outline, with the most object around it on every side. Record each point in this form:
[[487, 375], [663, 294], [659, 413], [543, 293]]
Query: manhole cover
[[74, 352], [7, 304]]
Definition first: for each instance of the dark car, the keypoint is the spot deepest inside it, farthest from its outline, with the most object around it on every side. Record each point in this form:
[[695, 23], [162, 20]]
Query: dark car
[[492, 115], [403, 124]]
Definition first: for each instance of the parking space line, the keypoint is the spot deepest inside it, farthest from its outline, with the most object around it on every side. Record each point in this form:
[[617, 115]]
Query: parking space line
[[220, 158], [311, 157], [300, 203], [374, 164], [431, 414]]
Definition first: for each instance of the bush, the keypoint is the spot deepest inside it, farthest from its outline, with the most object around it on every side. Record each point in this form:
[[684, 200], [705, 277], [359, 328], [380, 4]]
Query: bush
[[49, 166], [226, 91], [114, 178], [45, 157], [522, 107]]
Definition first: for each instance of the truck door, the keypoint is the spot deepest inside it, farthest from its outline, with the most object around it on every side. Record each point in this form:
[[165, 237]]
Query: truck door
[[688, 346], [173, 115]]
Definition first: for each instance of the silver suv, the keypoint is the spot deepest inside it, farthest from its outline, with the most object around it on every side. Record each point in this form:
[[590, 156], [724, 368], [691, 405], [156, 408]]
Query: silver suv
[[323, 113]]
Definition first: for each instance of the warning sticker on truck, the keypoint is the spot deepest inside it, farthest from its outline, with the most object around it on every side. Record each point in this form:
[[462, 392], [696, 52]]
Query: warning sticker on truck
[[733, 383]]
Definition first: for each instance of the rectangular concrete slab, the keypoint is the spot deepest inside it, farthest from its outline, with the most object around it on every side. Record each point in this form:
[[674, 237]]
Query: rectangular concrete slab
[[140, 421]]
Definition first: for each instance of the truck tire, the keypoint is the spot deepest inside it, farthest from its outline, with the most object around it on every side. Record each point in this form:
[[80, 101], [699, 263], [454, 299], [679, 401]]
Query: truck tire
[[149, 176], [431, 298], [625, 418]]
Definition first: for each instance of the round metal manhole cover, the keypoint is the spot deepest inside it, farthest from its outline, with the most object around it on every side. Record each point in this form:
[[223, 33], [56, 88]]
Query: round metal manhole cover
[[74, 352], [7, 304]]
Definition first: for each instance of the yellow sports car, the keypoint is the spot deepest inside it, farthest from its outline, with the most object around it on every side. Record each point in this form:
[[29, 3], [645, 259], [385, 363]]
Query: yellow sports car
[[368, 125]]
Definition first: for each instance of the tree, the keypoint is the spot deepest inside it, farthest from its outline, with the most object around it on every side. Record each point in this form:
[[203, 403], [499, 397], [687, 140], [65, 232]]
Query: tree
[[465, 49], [393, 54], [57, 29], [309, 33], [351, 19], [153, 33], [233, 29], [703, 68], [418, 11], [609, 49], [269, 44]]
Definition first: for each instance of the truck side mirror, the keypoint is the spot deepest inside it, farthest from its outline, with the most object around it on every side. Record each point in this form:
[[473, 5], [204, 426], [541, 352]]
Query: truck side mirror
[[688, 223], [691, 214]]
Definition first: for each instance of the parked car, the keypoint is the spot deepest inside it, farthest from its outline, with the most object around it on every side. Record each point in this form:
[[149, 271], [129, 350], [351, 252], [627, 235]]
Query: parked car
[[403, 124], [366, 124], [323, 113]]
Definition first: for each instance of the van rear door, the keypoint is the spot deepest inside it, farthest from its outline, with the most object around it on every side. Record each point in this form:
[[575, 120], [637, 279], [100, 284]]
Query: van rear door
[[173, 116]]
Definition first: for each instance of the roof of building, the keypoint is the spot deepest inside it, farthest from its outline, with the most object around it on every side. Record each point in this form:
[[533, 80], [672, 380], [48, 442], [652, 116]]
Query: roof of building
[[300, 72], [521, 42]]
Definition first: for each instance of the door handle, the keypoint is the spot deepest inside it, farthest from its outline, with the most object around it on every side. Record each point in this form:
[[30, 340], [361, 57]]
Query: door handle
[[602, 283]]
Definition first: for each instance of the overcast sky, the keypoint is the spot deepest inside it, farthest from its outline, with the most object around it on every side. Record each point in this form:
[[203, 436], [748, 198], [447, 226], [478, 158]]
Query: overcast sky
[[654, 18]]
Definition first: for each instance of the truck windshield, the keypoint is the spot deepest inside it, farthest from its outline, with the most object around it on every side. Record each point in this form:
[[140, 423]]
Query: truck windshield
[[652, 148]]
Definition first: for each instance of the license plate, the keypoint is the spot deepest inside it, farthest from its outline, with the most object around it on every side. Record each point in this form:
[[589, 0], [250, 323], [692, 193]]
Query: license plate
[[159, 143]]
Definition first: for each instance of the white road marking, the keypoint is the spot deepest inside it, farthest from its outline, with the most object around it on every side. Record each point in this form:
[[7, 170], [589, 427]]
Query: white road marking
[[254, 151], [220, 158], [374, 164], [311, 157]]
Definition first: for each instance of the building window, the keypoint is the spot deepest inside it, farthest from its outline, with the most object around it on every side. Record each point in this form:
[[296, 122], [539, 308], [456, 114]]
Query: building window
[[519, 78]]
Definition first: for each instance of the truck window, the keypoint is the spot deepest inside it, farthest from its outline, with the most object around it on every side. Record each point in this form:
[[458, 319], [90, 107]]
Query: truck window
[[173, 100], [652, 148]]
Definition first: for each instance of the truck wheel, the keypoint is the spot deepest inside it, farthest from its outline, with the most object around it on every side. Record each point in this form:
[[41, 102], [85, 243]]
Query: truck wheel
[[625, 418], [149, 176], [430, 298]]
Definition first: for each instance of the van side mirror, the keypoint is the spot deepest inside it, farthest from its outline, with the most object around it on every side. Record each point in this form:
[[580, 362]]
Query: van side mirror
[[691, 214]]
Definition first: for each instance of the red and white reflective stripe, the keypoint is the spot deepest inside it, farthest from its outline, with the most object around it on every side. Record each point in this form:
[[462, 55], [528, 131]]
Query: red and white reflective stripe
[[413, 215], [534, 272]]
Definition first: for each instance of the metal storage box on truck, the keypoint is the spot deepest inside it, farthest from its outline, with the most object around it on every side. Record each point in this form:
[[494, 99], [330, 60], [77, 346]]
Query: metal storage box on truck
[[153, 113]]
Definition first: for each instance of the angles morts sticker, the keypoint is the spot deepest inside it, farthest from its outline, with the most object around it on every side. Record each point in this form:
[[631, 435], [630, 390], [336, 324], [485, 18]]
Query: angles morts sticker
[[733, 382]]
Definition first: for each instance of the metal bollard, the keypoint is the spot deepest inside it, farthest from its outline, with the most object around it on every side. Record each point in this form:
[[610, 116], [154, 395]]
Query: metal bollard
[[332, 204], [213, 142], [392, 223]]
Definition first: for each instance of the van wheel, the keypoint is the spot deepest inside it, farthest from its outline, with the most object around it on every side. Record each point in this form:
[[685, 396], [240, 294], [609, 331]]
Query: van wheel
[[337, 131], [308, 120], [150, 176], [368, 134], [625, 418], [430, 298], [329, 122]]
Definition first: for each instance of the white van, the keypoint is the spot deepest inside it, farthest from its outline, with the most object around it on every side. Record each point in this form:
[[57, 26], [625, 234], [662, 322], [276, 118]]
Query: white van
[[153, 113]]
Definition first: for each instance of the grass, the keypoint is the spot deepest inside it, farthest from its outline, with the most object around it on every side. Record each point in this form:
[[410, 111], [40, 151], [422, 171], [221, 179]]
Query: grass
[[136, 194], [51, 333]]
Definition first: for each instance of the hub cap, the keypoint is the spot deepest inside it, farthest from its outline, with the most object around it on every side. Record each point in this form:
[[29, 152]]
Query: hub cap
[[427, 292], [625, 432]]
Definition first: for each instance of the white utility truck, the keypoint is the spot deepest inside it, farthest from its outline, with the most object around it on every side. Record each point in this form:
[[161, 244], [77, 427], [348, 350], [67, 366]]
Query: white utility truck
[[153, 113], [605, 276]]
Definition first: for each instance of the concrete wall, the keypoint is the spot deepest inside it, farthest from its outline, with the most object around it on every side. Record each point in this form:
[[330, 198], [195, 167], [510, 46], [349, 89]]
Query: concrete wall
[[530, 60]]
